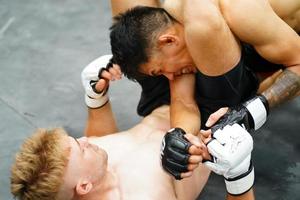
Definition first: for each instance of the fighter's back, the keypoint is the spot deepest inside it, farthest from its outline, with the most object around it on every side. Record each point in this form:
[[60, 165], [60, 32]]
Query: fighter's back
[[289, 11]]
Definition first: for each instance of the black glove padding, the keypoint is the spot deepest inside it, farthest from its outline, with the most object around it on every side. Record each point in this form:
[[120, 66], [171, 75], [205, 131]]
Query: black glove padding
[[251, 115], [174, 152]]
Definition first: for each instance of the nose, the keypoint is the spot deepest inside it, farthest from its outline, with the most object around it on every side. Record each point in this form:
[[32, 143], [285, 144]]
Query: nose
[[169, 75]]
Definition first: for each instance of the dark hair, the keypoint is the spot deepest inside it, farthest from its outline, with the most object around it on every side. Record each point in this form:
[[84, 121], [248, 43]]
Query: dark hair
[[132, 35]]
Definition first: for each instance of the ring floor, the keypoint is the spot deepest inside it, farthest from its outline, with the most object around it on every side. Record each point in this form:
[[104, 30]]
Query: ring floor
[[43, 47]]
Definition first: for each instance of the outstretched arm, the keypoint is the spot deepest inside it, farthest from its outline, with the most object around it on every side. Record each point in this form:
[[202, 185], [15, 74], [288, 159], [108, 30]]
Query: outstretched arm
[[185, 118], [95, 79]]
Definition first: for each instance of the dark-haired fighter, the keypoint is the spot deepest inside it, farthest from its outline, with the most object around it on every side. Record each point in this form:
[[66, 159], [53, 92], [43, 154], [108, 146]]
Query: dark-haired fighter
[[226, 42]]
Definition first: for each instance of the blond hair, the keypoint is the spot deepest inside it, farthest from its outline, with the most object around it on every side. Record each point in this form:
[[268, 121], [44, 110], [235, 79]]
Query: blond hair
[[37, 173]]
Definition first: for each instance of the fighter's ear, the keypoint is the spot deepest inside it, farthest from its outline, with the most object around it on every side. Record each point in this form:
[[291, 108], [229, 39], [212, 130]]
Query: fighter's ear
[[168, 44], [167, 39], [83, 187]]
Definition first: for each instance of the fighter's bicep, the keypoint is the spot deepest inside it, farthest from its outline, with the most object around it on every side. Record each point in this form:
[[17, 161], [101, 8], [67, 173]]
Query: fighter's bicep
[[254, 22], [281, 51]]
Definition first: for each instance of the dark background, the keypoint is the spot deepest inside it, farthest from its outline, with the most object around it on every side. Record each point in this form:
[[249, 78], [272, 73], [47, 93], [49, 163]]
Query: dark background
[[44, 45]]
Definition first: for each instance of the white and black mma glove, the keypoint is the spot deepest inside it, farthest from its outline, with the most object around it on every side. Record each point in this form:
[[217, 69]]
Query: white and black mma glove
[[90, 76], [174, 152], [230, 149], [251, 114]]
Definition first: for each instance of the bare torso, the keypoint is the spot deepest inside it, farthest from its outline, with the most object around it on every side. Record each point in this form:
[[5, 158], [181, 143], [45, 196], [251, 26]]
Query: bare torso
[[134, 156], [288, 10], [205, 49]]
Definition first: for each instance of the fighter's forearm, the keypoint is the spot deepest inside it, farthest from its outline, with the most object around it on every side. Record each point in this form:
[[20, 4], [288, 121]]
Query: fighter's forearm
[[285, 87], [184, 111], [185, 116], [247, 196], [100, 121]]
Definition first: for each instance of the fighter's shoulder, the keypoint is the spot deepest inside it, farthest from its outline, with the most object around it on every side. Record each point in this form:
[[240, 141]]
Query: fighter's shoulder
[[235, 10], [202, 17]]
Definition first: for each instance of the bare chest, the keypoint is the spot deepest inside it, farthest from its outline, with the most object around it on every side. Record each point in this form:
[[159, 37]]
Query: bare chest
[[140, 175]]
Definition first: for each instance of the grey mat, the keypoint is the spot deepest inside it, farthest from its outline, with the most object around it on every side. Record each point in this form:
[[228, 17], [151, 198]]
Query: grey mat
[[44, 46]]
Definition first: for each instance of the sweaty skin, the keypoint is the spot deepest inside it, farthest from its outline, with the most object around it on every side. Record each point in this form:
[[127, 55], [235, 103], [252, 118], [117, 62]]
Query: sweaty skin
[[289, 11], [206, 24], [286, 85], [213, 26], [139, 175]]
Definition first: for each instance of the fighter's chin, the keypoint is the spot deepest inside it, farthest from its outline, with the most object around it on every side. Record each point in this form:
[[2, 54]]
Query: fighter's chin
[[105, 155], [102, 153]]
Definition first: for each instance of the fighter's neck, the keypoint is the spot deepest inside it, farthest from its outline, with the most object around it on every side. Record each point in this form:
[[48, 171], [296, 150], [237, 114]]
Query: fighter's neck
[[158, 119], [108, 189]]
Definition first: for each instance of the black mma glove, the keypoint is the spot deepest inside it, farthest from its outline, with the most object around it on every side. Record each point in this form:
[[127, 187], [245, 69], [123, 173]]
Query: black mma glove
[[174, 152], [251, 114]]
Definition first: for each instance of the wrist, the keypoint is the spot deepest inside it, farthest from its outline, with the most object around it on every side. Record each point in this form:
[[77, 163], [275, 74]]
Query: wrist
[[95, 99], [258, 109], [240, 184], [96, 102], [176, 130]]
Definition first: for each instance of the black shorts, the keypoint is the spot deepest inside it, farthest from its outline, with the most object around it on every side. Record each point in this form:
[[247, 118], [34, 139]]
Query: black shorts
[[212, 93]]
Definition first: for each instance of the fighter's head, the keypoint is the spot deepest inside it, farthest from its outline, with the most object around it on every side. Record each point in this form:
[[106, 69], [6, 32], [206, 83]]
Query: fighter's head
[[53, 166], [149, 41]]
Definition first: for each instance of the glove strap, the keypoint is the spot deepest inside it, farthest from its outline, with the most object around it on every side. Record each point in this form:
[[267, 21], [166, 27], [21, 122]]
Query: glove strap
[[96, 103], [258, 108], [241, 184]]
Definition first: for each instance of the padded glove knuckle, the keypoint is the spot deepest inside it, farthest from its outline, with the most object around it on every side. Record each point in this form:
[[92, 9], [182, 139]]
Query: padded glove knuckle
[[174, 152]]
